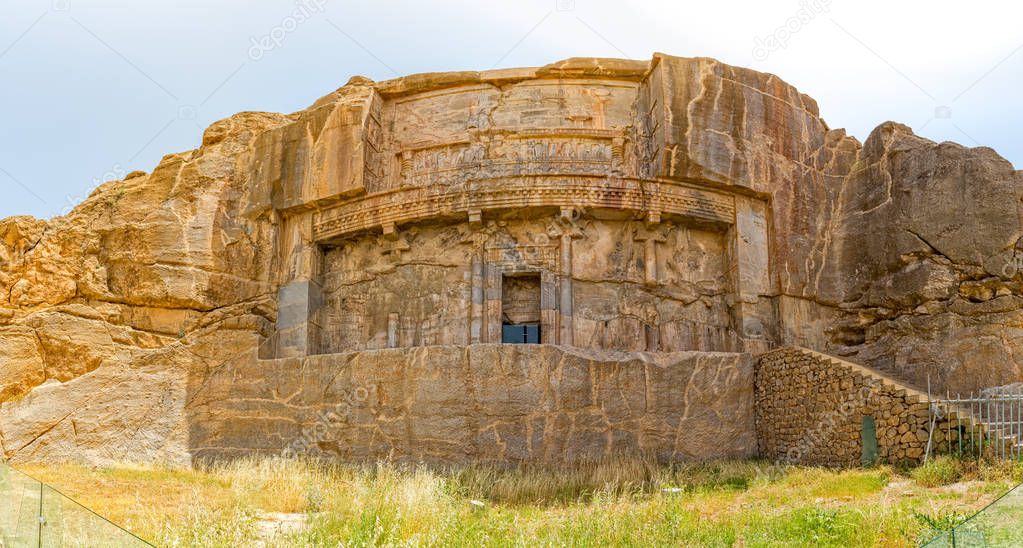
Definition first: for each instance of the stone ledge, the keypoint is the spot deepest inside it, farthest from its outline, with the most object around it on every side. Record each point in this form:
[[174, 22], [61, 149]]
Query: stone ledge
[[420, 203]]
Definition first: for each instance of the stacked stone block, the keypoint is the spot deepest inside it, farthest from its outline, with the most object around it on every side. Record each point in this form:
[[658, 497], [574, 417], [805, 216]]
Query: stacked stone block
[[809, 409]]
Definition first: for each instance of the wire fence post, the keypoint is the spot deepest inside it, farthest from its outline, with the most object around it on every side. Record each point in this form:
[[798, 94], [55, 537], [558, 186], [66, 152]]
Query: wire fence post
[[994, 421]]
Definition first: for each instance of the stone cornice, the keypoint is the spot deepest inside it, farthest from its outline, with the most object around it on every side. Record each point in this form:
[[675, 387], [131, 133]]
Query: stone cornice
[[414, 204]]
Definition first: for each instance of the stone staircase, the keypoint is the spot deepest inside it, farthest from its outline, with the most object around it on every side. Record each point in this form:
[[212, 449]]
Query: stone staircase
[[1001, 426]]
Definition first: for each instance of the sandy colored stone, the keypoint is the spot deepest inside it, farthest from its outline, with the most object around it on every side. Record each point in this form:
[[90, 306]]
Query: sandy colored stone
[[483, 402], [641, 209]]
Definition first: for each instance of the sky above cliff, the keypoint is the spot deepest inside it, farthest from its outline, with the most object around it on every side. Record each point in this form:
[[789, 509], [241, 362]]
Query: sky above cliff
[[94, 89]]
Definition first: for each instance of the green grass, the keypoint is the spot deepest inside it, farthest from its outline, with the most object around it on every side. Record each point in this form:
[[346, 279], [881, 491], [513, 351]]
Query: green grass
[[939, 471], [622, 502]]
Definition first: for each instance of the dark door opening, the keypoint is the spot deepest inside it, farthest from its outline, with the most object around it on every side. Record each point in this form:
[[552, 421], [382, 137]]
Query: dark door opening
[[520, 308]]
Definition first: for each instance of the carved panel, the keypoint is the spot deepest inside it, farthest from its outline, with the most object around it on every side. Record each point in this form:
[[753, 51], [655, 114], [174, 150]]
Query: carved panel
[[376, 298], [562, 151], [513, 257], [413, 204], [628, 300]]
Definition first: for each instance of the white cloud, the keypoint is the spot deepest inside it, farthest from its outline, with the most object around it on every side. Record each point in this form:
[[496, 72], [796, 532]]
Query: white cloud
[[74, 105]]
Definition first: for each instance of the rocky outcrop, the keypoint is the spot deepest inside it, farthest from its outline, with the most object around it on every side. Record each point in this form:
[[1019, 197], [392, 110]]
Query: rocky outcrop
[[106, 312], [924, 263], [125, 324]]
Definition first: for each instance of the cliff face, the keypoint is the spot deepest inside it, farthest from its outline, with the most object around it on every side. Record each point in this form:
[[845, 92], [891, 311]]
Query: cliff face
[[108, 311], [926, 262], [900, 253]]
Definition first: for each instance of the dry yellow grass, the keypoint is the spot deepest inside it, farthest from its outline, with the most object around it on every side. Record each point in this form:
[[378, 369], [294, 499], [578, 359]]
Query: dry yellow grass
[[615, 502]]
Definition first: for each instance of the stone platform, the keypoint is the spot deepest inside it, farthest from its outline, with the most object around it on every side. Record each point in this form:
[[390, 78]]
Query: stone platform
[[486, 402]]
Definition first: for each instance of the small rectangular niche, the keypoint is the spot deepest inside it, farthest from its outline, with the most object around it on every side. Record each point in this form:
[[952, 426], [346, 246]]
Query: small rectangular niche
[[520, 308]]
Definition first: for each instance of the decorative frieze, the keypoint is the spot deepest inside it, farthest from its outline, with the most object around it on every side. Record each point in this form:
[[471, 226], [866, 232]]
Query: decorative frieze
[[414, 204]]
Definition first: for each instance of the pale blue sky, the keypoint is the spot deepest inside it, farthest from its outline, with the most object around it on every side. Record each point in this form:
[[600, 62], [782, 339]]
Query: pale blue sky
[[93, 89]]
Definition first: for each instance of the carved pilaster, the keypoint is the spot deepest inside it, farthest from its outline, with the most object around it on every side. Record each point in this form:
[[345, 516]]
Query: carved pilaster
[[406, 166], [476, 292], [300, 296], [567, 230], [753, 314], [492, 303], [476, 238], [393, 321], [651, 234], [618, 155], [394, 246]]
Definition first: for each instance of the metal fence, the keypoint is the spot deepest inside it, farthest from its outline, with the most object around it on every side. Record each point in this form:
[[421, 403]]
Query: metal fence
[[33, 514], [986, 425]]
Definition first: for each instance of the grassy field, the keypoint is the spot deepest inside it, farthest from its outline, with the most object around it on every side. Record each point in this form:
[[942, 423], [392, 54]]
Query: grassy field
[[622, 502]]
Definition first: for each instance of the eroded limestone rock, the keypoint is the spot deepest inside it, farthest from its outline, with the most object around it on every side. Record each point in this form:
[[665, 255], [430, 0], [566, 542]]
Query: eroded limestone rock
[[664, 206]]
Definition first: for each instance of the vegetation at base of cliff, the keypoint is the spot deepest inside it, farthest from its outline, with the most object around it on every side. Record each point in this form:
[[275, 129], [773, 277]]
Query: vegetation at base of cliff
[[277, 502], [938, 471]]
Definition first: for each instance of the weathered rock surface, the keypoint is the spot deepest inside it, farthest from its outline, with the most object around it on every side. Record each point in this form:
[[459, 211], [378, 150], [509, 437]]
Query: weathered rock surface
[[105, 312], [709, 206], [924, 262], [491, 402]]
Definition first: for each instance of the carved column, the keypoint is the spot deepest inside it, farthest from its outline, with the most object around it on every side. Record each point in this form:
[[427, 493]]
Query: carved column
[[476, 239], [392, 330], [549, 298], [565, 294], [476, 296], [300, 296], [492, 276]]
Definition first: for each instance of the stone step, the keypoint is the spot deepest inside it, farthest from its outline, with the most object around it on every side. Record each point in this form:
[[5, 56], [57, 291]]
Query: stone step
[[998, 431]]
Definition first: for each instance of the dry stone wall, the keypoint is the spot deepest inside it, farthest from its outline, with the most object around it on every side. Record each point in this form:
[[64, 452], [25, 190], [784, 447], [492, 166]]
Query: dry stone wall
[[810, 409]]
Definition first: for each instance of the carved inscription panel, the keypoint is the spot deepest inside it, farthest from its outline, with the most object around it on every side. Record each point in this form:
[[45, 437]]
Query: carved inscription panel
[[472, 132], [506, 157]]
